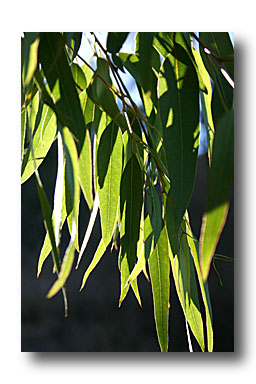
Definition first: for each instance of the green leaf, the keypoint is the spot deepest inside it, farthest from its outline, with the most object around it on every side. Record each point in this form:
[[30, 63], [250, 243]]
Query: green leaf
[[193, 245], [159, 273], [72, 188], [65, 270], [206, 99], [29, 55], [115, 41], [59, 77], [184, 276], [44, 133], [72, 177], [145, 232], [100, 94], [96, 258], [79, 77], [77, 38], [220, 44], [131, 199], [221, 179], [89, 228], [23, 121], [164, 42], [155, 212], [109, 169], [179, 109], [85, 170]]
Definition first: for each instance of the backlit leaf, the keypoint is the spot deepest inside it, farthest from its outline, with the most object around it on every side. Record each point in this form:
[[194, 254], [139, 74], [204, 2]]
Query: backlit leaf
[[159, 267], [100, 94], [130, 208], [109, 170], [221, 179]]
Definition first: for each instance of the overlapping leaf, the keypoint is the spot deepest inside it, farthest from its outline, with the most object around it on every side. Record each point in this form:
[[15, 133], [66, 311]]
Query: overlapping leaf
[[179, 108], [44, 133], [100, 93], [60, 81], [130, 208]]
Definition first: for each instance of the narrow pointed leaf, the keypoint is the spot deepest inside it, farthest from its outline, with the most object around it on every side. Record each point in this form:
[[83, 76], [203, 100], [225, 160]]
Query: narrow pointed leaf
[[59, 77], [89, 227], [65, 269], [145, 231], [96, 258], [72, 188], [219, 188], [85, 170], [130, 208], [179, 108], [206, 100], [159, 267], [203, 286], [109, 170], [44, 133], [184, 277], [58, 193], [23, 131]]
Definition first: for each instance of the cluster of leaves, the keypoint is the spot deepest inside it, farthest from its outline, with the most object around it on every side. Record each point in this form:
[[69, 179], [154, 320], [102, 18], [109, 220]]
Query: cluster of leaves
[[137, 168]]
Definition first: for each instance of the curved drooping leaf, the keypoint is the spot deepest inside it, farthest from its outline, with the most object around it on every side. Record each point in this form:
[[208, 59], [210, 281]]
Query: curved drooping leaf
[[194, 249], [89, 228], [221, 179], [109, 171], [206, 99], [60, 81], [159, 268], [72, 187], [130, 208], [96, 258], [115, 41], [72, 177], [23, 121], [44, 134], [142, 255], [85, 170], [184, 276], [100, 94], [179, 109]]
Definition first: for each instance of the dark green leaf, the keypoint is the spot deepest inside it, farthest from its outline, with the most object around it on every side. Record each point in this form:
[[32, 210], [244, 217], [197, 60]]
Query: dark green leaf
[[221, 179], [179, 109], [77, 38], [60, 81], [100, 94], [115, 41], [131, 199]]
